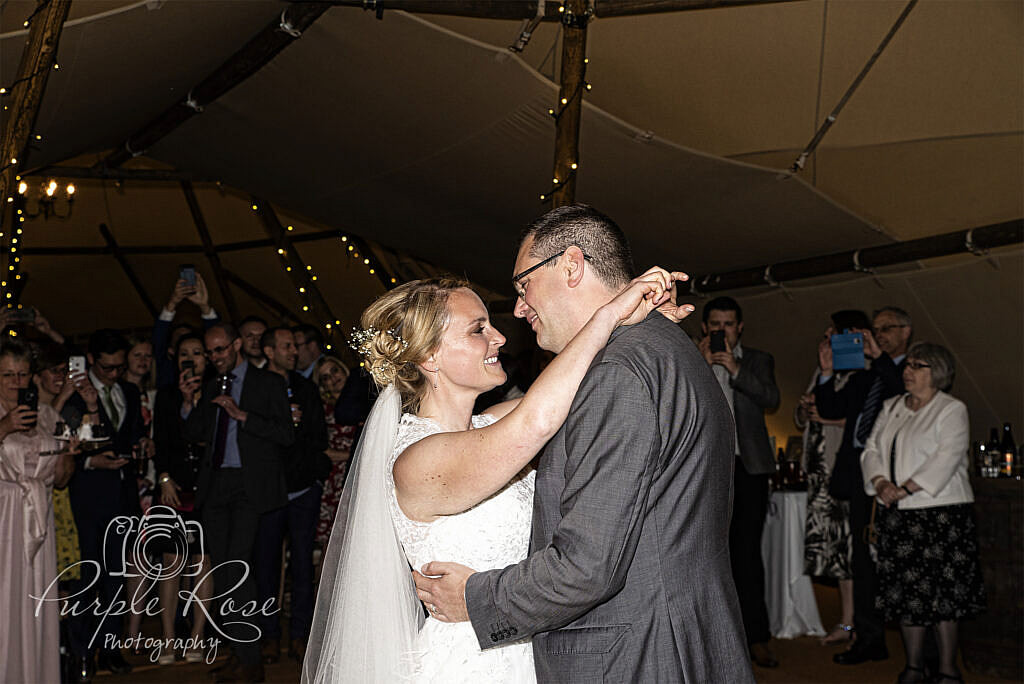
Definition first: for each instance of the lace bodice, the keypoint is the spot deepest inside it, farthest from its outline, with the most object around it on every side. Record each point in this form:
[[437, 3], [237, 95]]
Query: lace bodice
[[492, 534]]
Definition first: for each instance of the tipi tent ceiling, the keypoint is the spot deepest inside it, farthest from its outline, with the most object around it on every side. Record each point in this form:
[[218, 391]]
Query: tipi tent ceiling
[[427, 134]]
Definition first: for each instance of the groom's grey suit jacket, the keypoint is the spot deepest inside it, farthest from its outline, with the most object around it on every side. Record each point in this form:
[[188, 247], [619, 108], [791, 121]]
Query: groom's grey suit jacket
[[629, 579]]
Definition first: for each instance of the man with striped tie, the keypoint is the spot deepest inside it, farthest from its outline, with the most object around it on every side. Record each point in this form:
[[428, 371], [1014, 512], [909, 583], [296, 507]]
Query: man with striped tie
[[859, 402]]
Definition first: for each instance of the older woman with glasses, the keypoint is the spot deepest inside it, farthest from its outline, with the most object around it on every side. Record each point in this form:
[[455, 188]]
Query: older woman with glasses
[[915, 464]]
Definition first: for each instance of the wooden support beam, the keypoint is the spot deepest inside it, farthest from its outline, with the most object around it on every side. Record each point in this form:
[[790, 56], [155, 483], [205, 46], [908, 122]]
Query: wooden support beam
[[527, 9], [299, 274], [127, 268], [209, 250], [263, 47], [959, 242], [569, 108], [37, 60], [262, 297], [102, 173]]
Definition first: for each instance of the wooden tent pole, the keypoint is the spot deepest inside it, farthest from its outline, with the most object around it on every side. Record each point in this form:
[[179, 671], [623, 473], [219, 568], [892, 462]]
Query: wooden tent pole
[[127, 268], [975, 240], [208, 248], [262, 297], [263, 47], [298, 272], [527, 9], [570, 102], [37, 60]]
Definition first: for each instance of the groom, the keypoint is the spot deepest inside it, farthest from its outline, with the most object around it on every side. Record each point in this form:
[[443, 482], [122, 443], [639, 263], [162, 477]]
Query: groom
[[629, 578]]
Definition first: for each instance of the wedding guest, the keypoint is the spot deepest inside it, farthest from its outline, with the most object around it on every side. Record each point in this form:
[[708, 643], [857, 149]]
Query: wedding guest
[[139, 372], [309, 342], [29, 468], [177, 466], [915, 465], [828, 547], [166, 333], [247, 429], [251, 329], [330, 375]]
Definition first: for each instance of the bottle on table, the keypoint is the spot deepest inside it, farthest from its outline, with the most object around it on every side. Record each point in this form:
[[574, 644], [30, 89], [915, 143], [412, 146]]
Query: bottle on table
[[1009, 451], [995, 451]]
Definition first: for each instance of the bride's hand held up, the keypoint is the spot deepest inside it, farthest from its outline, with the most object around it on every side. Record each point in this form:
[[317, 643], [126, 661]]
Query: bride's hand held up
[[653, 290]]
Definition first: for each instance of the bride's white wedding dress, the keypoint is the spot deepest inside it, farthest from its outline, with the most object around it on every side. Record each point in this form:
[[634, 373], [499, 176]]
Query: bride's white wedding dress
[[493, 534]]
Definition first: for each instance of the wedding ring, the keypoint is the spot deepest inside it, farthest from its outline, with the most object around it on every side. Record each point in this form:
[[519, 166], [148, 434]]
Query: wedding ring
[[433, 608]]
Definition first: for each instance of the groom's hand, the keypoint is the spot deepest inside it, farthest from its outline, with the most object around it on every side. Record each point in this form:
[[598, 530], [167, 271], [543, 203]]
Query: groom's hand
[[442, 588]]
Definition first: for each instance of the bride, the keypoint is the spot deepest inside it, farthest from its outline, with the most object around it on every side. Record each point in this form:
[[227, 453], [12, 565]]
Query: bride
[[439, 482]]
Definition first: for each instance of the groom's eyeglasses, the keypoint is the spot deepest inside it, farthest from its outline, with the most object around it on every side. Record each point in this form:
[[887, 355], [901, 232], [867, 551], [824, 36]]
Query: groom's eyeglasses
[[519, 289]]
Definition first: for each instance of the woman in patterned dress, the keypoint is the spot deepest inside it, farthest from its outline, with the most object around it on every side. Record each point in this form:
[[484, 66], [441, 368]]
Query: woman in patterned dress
[[330, 375], [915, 463]]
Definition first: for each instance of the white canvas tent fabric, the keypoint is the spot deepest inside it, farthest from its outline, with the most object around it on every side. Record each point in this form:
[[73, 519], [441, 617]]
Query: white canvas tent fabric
[[425, 135]]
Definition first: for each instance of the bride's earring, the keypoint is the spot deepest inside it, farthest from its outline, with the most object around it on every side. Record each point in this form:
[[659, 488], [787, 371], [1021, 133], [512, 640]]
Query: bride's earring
[[437, 369]]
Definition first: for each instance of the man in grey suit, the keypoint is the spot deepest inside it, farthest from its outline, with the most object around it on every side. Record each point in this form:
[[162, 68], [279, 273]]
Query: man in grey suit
[[629, 577], [747, 377]]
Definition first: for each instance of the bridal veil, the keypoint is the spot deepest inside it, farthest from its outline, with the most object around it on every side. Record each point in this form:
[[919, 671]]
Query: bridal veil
[[367, 614]]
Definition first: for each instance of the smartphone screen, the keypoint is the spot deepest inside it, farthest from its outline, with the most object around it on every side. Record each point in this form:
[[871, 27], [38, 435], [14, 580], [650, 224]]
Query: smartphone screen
[[187, 272], [717, 341]]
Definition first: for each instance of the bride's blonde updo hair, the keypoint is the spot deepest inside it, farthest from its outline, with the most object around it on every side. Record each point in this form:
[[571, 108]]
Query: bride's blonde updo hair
[[402, 328]]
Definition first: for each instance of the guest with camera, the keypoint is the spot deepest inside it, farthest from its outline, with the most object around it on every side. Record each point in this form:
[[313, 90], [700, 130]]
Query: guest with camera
[[747, 378], [177, 466], [30, 467], [915, 464], [858, 401], [245, 421], [166, 333], [308, 467], [104, 485]]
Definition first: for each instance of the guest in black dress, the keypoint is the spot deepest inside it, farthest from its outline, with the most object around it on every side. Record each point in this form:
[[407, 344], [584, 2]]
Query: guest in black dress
[[177, 464], [915, 464]]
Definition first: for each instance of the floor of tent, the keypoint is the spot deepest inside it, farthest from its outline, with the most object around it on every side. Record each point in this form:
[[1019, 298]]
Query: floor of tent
[[802, 660]]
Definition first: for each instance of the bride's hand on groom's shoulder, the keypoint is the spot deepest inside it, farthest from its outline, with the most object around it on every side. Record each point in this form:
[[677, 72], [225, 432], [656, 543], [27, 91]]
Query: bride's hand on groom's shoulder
[[655, 289], [442, 588]]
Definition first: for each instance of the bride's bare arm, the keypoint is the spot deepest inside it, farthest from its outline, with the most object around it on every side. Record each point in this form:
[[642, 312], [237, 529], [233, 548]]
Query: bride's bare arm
[[449, 472]]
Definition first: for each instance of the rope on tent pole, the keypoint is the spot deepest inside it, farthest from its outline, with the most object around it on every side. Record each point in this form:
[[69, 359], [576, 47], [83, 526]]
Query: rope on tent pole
[[831, 118]]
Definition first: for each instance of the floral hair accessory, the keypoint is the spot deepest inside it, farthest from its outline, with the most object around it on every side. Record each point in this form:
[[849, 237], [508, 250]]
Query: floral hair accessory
[[360, 340]]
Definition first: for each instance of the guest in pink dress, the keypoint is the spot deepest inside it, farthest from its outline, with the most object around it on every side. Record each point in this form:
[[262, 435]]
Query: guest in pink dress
[[29, 465]]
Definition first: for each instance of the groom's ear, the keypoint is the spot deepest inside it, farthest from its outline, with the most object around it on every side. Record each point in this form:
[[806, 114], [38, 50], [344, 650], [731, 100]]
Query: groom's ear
[[575, 266]]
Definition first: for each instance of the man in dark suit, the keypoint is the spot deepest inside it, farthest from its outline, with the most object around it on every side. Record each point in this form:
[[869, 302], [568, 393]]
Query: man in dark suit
[[244, 419], [308, 467], [628, 578], [747, 377], [859, 402], [104, 487]]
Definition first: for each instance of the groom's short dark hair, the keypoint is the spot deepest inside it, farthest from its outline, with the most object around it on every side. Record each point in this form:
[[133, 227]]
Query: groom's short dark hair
[[579, 225]]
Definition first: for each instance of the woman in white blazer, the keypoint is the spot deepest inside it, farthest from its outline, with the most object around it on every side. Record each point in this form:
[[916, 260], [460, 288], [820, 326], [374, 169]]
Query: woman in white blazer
[[915, 463]]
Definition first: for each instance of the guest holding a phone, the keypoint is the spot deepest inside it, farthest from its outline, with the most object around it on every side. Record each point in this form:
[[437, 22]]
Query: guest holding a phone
[[191, 287], [104, 485], [177, 465], [30, 467], [747, 378], [859, 401]]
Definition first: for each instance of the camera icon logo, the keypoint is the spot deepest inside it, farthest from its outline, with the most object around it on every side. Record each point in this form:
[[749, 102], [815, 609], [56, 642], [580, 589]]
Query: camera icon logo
[[160, 531]]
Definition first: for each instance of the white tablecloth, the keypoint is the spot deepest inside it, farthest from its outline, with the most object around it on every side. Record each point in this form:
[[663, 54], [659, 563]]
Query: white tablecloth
[[792, 610]]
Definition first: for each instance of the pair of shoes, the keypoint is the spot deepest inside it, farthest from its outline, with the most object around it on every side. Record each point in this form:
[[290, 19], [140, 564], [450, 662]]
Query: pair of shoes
[[943, 677], [243, 673], [861, 653], [762, 655], [297, 650], [113, 661], [82, 669], [270, 651], [840, 634], [910, 675]]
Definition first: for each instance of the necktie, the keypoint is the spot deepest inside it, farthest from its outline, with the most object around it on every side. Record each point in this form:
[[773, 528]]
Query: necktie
[[108, 399], [868, 414], [221, 440]]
